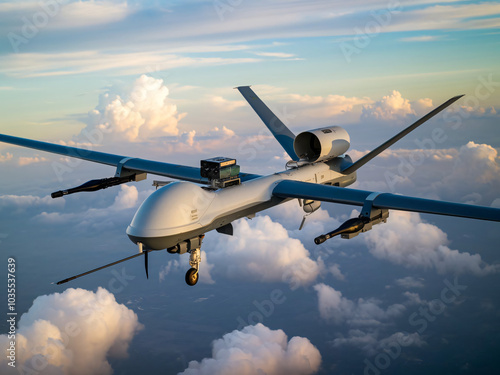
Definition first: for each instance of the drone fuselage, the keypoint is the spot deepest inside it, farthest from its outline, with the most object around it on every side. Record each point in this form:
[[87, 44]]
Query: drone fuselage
[[183, 210]]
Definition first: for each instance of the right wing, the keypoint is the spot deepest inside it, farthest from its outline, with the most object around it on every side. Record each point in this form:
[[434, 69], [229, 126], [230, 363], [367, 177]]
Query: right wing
[[335, 194], [365, 159], [176, 171], [282, 134]]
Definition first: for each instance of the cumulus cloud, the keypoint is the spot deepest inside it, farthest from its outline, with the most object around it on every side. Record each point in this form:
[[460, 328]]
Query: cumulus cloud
[[335, 308], [390, 107], [409, 282], [72, 333], [406, 240], [142, 113], [480, 165], [262, 250], [258, 350]]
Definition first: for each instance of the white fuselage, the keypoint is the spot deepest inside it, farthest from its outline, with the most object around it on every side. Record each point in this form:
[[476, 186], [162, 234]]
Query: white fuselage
[[182, 210]]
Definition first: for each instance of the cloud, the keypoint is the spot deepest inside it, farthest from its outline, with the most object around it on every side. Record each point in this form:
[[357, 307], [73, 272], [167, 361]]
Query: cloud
[[258, 350], [326, 106], [406, 240], [390, 107], [262, 250], [479, 163], [409, 282], [72, 333], [281, 55], [370, 343], [422, 38], [126, 198], [96, 218], [21, 202], [144, 113], [30, 160], [335, 308], [4, 158], [39, 64]]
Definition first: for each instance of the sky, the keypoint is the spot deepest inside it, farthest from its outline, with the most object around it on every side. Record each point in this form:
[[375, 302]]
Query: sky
[[155, 79]]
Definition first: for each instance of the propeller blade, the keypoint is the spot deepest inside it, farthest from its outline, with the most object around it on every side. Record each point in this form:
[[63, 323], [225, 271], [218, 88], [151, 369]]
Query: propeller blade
[[146, 263], [99, 268]]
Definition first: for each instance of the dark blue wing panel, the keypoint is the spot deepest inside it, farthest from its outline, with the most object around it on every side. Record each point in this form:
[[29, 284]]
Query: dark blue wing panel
[[176, 171], [334, 194]]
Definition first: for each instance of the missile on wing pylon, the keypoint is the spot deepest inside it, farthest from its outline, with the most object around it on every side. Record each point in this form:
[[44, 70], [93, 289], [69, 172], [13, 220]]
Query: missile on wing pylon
[[350, 226]]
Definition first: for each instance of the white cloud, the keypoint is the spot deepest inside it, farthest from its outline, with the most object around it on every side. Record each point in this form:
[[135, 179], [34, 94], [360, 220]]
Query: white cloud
[[334, 269], [326, 106], [422, 38], [262, 250], [406, 240], [281, 55], [72, 333], [257, 350], [126, 198], [390, 107], [409, 282], [338, 309], [89, 13], [145, 112], [27, 201], [38, 64], [475, 169]]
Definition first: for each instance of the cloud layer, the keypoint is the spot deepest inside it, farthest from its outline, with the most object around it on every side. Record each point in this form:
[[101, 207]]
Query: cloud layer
[[406, 240]]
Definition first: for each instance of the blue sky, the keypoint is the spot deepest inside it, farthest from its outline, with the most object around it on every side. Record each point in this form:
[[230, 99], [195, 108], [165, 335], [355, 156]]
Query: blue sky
[[158, 77]]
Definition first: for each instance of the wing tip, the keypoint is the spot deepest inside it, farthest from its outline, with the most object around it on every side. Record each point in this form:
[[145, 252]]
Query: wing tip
[[242, 87]]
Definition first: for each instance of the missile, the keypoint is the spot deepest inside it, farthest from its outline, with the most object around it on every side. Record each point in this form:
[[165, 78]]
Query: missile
[[94, 185], [350, 226]]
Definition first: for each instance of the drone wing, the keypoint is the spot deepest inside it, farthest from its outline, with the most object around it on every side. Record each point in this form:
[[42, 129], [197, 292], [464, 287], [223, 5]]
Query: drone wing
[[369, 199], [176, 171]]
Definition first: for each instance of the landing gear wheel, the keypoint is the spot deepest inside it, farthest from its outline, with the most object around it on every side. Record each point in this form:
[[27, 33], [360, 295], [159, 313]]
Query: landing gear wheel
[[192, 276]]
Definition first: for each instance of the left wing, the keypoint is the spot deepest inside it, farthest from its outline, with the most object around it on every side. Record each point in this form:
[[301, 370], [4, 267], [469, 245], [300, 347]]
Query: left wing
[[325, 193], [180, 172]]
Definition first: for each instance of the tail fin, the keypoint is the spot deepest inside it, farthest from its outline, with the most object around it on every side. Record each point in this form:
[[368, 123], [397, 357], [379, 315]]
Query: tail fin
[[365, 159], [282, 134]]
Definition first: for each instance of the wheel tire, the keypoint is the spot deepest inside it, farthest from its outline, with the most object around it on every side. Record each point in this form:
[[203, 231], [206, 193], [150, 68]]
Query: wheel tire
[[192, 276]]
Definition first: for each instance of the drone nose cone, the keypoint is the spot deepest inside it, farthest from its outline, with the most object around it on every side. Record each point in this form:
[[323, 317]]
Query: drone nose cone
[[173, 209]]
